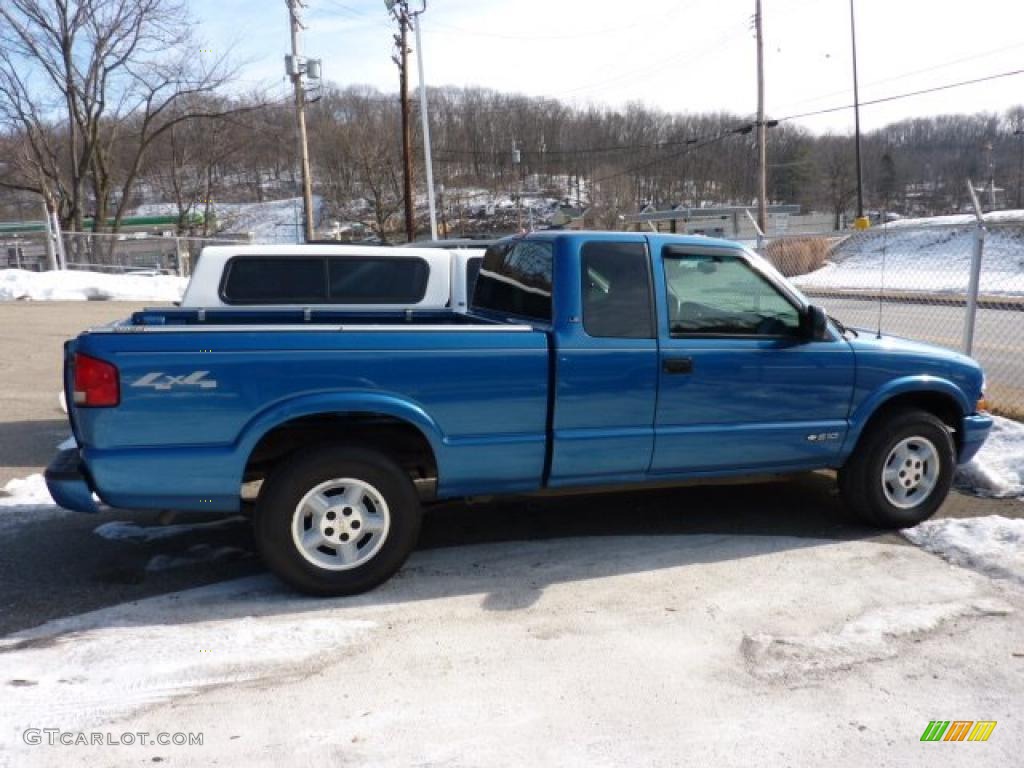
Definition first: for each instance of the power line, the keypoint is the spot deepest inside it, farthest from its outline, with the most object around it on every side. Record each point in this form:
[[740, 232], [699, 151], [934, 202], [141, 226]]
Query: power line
[[907, 95], [912, 73], [581, 151], [743, 129]]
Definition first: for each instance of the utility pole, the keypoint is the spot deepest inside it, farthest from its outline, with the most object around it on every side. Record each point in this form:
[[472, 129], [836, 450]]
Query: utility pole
[[861, 222], [399, 9], [441, 207], [762, 139], [426, 123], [991, 176], [295, 68], [1019, 133]]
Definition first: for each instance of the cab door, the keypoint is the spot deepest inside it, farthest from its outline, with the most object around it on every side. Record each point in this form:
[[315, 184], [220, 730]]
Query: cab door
[[606, 364], [741, 386]]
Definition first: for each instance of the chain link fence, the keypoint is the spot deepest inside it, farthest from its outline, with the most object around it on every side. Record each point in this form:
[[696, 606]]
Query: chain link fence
[[135, 252], [131, 252], [915, 281]]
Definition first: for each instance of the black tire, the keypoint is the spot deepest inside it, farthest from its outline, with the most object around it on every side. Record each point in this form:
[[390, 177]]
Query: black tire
[[861, 479], [289, 484]]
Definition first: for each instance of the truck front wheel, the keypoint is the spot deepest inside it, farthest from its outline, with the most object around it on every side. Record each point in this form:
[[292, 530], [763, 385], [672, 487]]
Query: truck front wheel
[[901, 470], [335, 520]]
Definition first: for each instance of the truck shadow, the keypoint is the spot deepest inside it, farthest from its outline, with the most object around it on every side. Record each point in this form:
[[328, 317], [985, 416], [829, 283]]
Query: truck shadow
[[790, 513], [30, 444], [508, 552]]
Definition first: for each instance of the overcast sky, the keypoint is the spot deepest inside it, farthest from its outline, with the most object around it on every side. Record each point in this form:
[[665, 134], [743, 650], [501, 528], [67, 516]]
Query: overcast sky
[[679, 55]]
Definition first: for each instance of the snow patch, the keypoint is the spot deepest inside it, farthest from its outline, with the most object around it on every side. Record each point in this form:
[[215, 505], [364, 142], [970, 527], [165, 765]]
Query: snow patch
[[85, 670], [998, 468], [993, 545], [28, 491], [121, 530], [274, 221], [75, 285], [928, 258], [873, 636], [25, 500]]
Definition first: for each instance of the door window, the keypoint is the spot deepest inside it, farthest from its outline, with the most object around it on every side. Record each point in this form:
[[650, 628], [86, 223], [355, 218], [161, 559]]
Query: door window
[[616, 291], [721, 295]]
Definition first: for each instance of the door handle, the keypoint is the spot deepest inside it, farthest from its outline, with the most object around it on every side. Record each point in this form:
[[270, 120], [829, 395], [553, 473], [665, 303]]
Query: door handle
[[677, 365]]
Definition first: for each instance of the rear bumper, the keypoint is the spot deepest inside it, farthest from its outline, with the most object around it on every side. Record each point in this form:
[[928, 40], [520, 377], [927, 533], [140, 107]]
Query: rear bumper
[[974, 429], [68, 484]]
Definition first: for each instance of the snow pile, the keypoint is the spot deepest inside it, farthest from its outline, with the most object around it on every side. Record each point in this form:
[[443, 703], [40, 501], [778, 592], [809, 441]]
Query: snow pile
[[26, 492], [923, 258], [998, 468], [74, 285], [993, 545]]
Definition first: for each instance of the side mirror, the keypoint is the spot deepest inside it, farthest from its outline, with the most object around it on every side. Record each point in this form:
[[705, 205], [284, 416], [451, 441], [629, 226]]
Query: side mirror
[[815, 324]]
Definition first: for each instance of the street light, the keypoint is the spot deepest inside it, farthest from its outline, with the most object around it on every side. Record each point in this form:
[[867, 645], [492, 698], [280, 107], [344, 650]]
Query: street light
[[426, 123], [861, 222]]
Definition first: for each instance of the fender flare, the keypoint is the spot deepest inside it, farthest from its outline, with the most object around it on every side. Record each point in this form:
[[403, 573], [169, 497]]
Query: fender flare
[[901, 386], [312, 404]]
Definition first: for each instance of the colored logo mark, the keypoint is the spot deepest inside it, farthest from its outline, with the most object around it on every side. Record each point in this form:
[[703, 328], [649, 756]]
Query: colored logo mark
[[958, 730]]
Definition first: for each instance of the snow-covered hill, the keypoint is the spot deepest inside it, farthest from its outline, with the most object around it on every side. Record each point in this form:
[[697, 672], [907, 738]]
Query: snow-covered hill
[[274, 221], [927, 255]]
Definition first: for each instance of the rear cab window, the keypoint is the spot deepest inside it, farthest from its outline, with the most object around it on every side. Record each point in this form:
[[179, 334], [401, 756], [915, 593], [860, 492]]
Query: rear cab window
[[324, 280], [472, 273], [515, 279]]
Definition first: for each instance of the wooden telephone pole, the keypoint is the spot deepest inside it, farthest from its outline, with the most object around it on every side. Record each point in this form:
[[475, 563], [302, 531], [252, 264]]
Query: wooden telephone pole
[[400, 10], [295, 68]]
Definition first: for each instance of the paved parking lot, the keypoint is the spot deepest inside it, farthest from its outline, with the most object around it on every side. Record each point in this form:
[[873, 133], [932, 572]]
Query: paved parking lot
[[738, 625], [94, 572]]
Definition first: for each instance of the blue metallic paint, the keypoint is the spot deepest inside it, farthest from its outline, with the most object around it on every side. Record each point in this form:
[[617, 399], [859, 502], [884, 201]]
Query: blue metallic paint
[[481, 399]]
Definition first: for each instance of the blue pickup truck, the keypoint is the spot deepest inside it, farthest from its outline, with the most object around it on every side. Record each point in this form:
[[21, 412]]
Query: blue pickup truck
[[589, 360]]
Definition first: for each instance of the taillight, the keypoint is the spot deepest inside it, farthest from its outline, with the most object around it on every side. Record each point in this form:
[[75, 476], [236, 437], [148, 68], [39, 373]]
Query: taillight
[[96, 383]]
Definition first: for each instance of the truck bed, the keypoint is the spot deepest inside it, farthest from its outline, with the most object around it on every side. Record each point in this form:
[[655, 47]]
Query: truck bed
[[198, 390], [307, 316]]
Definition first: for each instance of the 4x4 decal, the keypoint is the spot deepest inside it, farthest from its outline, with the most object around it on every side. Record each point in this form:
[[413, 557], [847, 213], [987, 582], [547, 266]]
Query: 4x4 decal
[[164, 381]]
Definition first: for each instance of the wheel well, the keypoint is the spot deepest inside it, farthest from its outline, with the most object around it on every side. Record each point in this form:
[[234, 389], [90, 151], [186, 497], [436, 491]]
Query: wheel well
[[393, 437], [940, 405]]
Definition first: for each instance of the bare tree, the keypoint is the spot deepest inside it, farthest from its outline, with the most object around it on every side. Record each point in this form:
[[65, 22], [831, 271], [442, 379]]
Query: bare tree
[[92, 83], [837, 175]]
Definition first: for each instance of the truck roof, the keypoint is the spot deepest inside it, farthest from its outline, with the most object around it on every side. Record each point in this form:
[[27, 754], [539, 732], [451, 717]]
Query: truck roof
[[597, 234]]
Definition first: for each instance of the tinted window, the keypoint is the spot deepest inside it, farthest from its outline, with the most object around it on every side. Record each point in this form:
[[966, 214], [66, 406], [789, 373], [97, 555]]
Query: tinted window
[[616, 291], [723, 295], [261, 280], [378, 280], [472, 273], [320, 280], [515, 279]]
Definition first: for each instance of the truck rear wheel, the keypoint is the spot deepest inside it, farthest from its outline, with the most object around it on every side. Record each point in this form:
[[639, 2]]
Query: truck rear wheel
[[335, 520], [901, 470]]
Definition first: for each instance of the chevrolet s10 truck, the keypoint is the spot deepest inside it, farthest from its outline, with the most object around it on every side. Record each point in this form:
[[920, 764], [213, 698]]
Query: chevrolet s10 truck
[[588, 360]]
